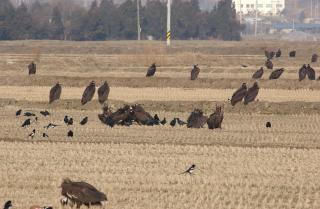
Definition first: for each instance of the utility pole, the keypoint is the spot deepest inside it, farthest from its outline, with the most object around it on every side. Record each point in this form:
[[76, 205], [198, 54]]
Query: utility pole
[[138, 20], [168, 35], [311, 8], [256, 22]]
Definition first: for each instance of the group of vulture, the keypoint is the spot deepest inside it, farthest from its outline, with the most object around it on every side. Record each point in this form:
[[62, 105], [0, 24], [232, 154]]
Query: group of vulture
[[127, 115], [194, 71], [87, 96], [304, 71]]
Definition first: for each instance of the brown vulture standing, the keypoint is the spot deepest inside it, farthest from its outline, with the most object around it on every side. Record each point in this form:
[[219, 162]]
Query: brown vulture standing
[[55, 93], [195, 72], [151, 70], [88, 93], [81, 193], [103, 92], [239, 94], [276, 74], [269, 64], [278, 53], [314, 58], [268, 54], [216, 118], [258, 74], [303, 72], [196, 119], [292, 53], [311, 73], [32, 67], [251, 93]]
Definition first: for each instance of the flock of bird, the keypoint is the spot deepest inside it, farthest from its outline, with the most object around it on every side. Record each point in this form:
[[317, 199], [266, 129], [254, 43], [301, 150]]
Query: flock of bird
[[33, 118], [82, 193]]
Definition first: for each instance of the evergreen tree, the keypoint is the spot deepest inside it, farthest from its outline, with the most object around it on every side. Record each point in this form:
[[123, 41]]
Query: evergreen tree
[[56, 25], [22, 24], [128, 20], [6, 15]]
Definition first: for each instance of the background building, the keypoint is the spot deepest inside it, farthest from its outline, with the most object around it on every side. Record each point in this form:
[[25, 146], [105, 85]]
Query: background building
[[264, 7]]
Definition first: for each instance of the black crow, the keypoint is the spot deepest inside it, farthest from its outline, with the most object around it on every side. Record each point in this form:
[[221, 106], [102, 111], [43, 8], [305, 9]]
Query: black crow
[[66, 119], [44, 113], [84, 121], [164, 121], [18, 112], [156, 117], [26, 123], [45, 135], [189, 170], [28, 114], [70, 133], [268, 124]]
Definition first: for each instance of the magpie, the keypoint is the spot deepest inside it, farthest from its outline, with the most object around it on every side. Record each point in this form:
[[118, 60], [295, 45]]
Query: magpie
[[18, 113], [44, 135], [45, 113], [7, 205], [70, 122], [189, 170], [26, 123], [32, 133], [84, 121], [180, 122], [50, 125], [173, 122]]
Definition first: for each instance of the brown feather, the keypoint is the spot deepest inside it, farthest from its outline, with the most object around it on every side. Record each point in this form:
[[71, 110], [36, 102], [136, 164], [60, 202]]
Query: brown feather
[[55, 93], [88, 93]]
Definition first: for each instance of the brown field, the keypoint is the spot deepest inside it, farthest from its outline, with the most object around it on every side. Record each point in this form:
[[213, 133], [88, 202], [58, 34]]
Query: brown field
[[242, 166]]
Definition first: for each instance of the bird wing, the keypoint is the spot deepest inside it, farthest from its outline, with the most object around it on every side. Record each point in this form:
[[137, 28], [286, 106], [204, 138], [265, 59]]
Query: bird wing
[[238, 95], [251, 95]]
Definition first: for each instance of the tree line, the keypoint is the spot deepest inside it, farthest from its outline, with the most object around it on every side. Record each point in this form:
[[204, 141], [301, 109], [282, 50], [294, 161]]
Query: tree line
[[109, 21]]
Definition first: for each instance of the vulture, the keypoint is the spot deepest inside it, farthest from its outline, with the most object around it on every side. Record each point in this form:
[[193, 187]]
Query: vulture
[[32, 67], [88, 93], [251, 93], [314, 58], [55, 93], [276, 74], [196, 119], [258, 74], [269, 64], [151, 70], [292, 53], [269, 55], [311, 73], [239, 94], [278, 53], [103, 92], [81, 193], [216, 118], [195, 72], [303, 72]]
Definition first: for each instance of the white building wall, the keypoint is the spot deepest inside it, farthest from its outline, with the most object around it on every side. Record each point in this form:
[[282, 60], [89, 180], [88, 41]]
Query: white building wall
[[264, 7]]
